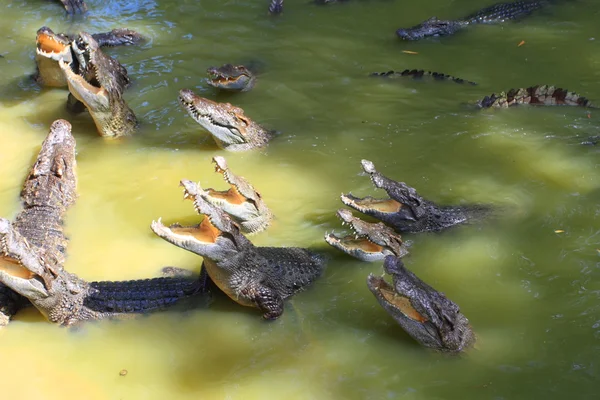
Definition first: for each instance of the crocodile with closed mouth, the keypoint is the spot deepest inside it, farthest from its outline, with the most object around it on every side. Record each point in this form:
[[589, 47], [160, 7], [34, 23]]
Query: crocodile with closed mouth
[[493, 14]]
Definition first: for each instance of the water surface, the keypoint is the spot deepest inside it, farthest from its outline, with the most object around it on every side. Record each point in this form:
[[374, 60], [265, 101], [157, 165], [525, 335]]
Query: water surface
[[527, 281]]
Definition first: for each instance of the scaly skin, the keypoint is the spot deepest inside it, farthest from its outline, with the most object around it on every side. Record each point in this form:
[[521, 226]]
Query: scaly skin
[[242, 202], [494, 14], [261, 277], [65, 299], [52, 47], [535, 95], [406, 211], [33, 250], [48, 191], [427, 315], [369, 241], [227, 124], [100, 88], [236, 78], [74, 6], [420, 74], [276, 7]]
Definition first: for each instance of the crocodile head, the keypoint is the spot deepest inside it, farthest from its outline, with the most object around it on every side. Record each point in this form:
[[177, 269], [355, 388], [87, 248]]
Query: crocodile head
[[50, 49], [34, 268], [427, 315], [405, 210], [217, 237], [369, 241], [48, 286], [242, 202], [231, 77], [227, 124], [99, 86], [431, 27]]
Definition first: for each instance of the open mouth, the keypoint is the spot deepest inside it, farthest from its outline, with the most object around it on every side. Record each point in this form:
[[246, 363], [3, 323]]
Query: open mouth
[[354, 244], [384, 291], [204, 233], [46, 43], [224, 79], [231, 196], [369, 203], [13, 268], [77, 80], [192, 109]]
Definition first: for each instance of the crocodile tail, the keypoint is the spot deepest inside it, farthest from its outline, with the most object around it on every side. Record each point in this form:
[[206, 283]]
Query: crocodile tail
[[537, 95], [420, 74], [276, 7], [549, 95], [139, 296]]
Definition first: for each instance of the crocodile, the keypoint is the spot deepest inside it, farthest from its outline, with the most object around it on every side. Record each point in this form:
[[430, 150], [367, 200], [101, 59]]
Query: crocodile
[[420, 74], [260, 277], [493, 14], [74, 6], [242, 202], [276, 7], [52, 47], [227, 124], [370, 241], [100, 87], [231, 77], [33, 250], [406, 210], [427, 315], [544, 95]]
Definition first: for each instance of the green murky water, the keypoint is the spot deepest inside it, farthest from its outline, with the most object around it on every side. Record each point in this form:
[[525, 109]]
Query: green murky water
[[531, 293]]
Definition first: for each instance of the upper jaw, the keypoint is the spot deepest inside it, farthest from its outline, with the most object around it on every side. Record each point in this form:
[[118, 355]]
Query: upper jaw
[[223, 131], [20, 266], [371, 205], [368, 242], [216, 216], [360, 248], [424, 313], [401, 309]]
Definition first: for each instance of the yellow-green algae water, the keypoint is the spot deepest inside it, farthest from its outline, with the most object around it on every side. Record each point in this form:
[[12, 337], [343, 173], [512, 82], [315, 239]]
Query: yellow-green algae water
[[527, 281]]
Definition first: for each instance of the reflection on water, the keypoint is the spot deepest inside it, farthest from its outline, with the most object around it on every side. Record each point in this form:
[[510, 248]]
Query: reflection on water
[[526, 280]]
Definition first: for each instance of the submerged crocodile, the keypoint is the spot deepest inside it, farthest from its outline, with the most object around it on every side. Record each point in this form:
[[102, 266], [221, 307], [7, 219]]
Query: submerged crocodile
[[33, 250], [535, 95], [99, 86], [261, 277], [494, 14], [227, 124], [427, 315], [276, 7], [52, 47], [369, 241], [236, 78], [242, 202], [74, 6], [420, 74], [406, 210]]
